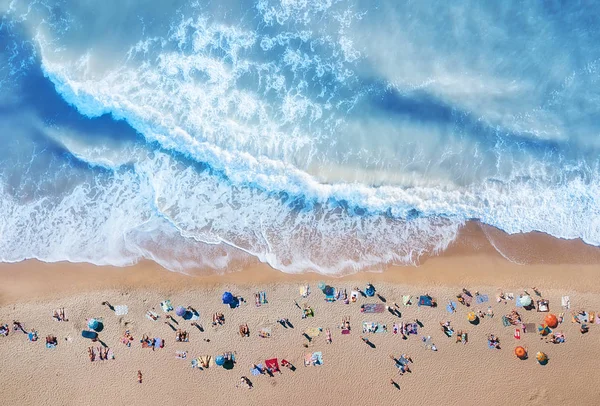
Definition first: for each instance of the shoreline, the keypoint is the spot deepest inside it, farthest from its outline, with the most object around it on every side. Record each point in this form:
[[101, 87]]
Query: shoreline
[[471, 259]]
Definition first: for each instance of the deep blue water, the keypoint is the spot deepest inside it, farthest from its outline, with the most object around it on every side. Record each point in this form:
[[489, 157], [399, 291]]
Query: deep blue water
[[326, 135]]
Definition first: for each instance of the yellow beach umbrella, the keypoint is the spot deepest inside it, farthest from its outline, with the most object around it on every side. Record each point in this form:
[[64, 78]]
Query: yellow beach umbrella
[[541, 357], [471, 317]]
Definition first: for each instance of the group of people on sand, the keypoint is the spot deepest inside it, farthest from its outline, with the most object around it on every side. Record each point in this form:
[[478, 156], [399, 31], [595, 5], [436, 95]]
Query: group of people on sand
[[151, 342], [218, 319], [182, 335], [244, 330], [51, 341], [59, 315], [514, 317], [493, 341], [101, 353], [127, 338]]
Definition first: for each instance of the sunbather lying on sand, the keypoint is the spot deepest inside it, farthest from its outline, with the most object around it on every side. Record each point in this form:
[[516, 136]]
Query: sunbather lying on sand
[[244, 330]]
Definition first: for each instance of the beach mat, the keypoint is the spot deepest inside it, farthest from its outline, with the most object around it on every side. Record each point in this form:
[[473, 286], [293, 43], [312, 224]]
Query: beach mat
[[313, 331], [372, 327], [481, 298], [530, 328], [451, 307], [372, 308], [346, 331], [121, 310]]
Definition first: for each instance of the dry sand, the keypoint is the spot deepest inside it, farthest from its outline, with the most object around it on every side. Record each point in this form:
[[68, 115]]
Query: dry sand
[[353, 373]]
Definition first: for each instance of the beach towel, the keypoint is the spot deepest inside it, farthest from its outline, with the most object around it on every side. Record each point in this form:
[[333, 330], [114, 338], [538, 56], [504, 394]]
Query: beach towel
[[304, 290], [451, 307], [257, 370], [542, 306], [412, 328], [396, 328], [121, 310], [481, 298], [345, 331], [372, 308], [505, 321], [317, 358], [372, 327], [89, 334], [194, 315], [466, 298], [166, 306], [517, 334], [369, 327], [518, 303], [566, 302], [150, 315], [406, 300], [272, 364], [313, 331], [263, 297], [425, 301], [49, 345], [265, 332], [158, 342]]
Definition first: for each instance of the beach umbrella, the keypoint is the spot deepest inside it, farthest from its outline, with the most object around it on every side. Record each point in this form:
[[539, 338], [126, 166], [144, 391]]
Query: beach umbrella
[[227, 298], [328, 290], [551, 321], [220, 360], [370, 291], [180, 311], [472, 317], [321, 286], [93, 324], [543, 330], [541, 357], [525, 300], [520, 352]]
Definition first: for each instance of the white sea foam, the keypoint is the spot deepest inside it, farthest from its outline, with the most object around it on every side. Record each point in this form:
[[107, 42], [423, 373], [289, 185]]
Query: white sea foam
[[267, 108]]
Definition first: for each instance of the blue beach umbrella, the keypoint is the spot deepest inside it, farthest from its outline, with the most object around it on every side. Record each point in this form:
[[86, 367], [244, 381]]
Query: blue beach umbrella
[[370, 291], [525, 301], [227, 298], [93, 324], [180, 311], [220, 360]]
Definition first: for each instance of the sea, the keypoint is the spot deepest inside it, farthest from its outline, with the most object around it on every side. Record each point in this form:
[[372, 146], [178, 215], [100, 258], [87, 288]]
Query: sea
[[312, 135]]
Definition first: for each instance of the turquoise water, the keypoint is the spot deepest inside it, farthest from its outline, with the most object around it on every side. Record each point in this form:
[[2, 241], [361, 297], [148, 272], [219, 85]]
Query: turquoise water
[[311, 134]]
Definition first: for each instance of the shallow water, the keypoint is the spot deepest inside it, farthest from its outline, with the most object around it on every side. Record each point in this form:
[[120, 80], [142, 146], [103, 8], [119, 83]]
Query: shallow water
[[311, 134]]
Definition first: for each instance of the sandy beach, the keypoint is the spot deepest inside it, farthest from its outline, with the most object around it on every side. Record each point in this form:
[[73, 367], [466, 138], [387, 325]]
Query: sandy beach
[[352, 371]]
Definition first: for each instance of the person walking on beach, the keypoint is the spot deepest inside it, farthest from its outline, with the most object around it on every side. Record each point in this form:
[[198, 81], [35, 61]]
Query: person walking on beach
[[139, 376]]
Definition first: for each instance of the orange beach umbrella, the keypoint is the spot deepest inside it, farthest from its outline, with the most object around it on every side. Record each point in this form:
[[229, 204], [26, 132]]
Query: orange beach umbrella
[[520, 352], [551, 321]]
